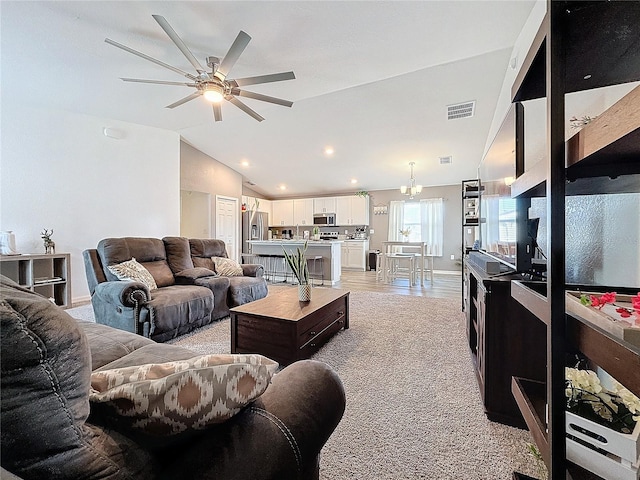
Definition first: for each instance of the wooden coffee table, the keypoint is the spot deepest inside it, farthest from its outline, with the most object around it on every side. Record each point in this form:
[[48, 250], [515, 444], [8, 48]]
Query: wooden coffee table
[[286, 330]]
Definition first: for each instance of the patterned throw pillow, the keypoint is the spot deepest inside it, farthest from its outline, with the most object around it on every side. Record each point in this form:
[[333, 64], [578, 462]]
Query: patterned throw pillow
[[133, 271], [227, 267], [170, 398]]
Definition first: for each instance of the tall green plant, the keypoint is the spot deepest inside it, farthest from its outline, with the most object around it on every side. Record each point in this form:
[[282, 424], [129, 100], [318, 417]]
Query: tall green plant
[[297, 261]]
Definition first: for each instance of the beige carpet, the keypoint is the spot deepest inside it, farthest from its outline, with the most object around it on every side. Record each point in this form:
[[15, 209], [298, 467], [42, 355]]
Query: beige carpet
[[413, 406]]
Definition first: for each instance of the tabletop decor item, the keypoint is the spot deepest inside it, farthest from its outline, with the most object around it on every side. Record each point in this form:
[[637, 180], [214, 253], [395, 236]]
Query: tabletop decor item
[[405, 234], [49, 245], [602, 425], [616, 313], [8, 243], [297, 261]]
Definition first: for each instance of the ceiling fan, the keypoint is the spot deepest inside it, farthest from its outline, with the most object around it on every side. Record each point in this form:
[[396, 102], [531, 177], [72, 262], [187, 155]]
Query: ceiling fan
[[214, 85]]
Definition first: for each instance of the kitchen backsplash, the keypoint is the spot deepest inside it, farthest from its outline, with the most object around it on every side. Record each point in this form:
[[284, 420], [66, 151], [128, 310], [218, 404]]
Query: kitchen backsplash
[[352, 231]]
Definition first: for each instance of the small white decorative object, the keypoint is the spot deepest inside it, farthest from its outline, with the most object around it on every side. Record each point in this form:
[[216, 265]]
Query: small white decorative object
[[618, 455], [8, 243]]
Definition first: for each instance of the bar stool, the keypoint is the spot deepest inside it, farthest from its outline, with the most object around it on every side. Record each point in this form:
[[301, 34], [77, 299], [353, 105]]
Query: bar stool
[[380, 266], [314, 273], [400, 265]]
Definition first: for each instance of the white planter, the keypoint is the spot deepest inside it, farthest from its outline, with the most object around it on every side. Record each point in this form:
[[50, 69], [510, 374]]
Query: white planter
[[623, 450], [304, 293]]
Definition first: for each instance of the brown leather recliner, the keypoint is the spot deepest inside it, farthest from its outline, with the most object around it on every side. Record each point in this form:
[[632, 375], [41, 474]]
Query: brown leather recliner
[[50, 430]]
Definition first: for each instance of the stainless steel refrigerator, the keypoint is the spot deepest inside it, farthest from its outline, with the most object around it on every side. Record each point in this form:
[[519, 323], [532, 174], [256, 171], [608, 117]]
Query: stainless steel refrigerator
[[255, 226]]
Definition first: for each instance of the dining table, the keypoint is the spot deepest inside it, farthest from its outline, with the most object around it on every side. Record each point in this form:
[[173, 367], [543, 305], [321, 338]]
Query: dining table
[[424, 257]]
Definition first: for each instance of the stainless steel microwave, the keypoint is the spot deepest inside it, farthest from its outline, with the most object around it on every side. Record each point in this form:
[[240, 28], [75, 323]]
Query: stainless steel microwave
[[324, 219]]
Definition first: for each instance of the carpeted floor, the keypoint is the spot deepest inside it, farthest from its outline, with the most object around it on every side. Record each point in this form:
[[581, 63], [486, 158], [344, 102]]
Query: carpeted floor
[[413, 405]]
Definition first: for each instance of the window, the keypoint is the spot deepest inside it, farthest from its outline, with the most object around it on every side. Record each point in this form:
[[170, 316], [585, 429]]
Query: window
[[423, 219]]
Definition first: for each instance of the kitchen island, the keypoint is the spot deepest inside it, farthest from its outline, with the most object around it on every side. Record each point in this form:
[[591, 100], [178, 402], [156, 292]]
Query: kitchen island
[[329, 250]]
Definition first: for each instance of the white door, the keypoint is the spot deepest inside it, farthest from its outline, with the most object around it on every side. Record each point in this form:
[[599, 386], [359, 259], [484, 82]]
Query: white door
[[227, 224]]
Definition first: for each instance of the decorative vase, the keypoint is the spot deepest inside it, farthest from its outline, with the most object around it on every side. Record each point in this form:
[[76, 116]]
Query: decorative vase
[[304, 293]]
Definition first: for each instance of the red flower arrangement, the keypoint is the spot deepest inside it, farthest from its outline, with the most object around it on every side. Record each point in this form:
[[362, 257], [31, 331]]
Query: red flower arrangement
[[610, 297]]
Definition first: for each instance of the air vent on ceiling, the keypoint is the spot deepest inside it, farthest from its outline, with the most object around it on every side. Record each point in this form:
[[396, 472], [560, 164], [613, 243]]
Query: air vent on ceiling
[[445, 160], [249, 182], [461, 110]]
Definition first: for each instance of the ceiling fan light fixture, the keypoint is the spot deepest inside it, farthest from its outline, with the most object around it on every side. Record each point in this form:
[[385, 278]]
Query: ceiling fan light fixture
[[214, 93]]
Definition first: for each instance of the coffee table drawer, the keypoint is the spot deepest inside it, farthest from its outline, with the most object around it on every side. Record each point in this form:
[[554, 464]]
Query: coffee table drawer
[[315, 324]]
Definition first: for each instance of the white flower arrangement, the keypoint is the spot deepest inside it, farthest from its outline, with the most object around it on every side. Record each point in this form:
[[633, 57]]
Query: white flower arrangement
[[618, 409]]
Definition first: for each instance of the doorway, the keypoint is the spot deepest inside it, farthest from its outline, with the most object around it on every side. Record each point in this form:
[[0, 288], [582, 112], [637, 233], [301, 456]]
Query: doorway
[[227, 225], [195, 214]]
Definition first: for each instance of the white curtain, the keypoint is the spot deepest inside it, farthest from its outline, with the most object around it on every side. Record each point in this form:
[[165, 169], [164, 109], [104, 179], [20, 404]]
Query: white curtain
[[432, 216], [396, 222]]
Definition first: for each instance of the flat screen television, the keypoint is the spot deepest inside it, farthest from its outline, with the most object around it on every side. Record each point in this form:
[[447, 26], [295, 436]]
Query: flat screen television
[[504, 225]]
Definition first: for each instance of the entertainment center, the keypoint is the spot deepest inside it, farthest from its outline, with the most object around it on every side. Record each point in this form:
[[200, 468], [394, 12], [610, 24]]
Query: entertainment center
[[579, 46]]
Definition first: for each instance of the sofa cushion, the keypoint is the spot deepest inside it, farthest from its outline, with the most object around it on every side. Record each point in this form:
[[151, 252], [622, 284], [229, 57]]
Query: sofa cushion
[[178, 253], [178, 309], [190, 275], [149, 252], [45, 383], [246, 289], [207, 248], [152, 353], [170, 398], [227, 267], [131, 270], [108, 344]]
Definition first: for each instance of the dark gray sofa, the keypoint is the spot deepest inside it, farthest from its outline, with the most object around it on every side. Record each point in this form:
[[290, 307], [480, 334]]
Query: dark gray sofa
[[189, 293], [50, 430]]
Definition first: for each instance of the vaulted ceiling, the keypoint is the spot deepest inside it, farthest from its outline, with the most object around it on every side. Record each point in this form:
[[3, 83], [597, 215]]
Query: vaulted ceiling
[[374, 79]]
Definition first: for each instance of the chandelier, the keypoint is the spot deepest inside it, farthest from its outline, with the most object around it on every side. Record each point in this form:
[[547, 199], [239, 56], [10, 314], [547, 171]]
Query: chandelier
[[412, 189]]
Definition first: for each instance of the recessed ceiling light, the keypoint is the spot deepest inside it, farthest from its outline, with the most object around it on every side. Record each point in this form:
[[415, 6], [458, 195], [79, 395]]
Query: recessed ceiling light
[[354, 180], [329, 151], [244, 163], [282, 187]]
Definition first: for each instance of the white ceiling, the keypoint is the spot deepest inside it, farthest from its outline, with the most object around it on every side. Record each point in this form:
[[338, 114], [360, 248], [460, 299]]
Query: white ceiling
[[374, 79]]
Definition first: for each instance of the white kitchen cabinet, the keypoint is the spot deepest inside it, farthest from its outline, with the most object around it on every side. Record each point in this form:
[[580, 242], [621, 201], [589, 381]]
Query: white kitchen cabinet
[[282, 213], [324, 205], [303, 211], [352, 210], [360, 210], [354, 254]]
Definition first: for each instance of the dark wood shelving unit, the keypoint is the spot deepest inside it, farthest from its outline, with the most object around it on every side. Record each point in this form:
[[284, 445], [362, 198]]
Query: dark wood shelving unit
[[471, 218], [505, 341], [576, 48]]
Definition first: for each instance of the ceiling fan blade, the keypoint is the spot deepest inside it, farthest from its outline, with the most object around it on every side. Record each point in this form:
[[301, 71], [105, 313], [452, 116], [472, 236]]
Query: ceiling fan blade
[[236, 49], [244, 108], [259, 96], [274, 77], [217, 112], [179, 43], [158, 82], [151, 59], [185, 99]]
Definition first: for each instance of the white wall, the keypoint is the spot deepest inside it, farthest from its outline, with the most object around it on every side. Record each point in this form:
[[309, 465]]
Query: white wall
[[59, 171]]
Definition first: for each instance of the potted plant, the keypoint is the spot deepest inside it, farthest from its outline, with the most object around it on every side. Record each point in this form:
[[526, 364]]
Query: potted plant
[[316, 233], [297, 261]]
